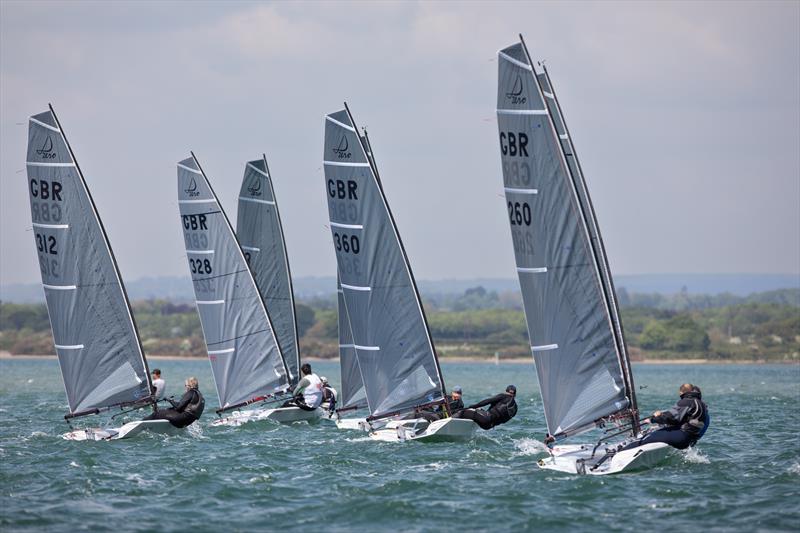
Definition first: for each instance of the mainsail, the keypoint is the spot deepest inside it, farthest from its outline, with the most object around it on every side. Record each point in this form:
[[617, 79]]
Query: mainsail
[[352, 395], [390, 334], [102, 361], [571, 314], [260, 234], [245, 357]]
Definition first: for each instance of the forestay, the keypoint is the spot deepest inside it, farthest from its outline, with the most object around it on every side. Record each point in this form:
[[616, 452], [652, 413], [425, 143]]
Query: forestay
[[352, 395], [390, 336], [101, 359], [573, 338], [244, 354], [260, 234]]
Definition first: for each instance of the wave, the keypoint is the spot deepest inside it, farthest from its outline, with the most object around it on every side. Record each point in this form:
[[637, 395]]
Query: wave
[[528, 446], [693, 455]]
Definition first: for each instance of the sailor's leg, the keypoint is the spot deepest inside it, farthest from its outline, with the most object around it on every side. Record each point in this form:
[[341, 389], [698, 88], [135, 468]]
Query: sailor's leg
[[480, 417], [672, 436]]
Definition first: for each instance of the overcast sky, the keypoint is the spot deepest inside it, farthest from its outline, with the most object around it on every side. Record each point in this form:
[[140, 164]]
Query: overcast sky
[[686, 117]]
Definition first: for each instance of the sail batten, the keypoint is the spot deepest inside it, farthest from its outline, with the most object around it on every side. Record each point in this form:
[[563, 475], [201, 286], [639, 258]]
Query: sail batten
[[260, 233], [390, 336], [94, 332], [574, 341], [246, 360]]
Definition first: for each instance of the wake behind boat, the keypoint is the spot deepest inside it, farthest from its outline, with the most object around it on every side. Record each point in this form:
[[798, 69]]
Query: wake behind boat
[[246, 359], [390, 338], [571, 310], [97, 342]]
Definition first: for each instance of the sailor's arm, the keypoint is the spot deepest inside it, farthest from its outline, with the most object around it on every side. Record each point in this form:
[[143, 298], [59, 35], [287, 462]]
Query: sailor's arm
[[185, 400], [672, 417], [302, 384], [488, 401]]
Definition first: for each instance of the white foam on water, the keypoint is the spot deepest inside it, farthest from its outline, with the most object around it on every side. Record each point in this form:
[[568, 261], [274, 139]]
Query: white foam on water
[[693, 455], [30, 381], [529, 446], [259, 479], [73, 463], [196, 431], [795, 469]]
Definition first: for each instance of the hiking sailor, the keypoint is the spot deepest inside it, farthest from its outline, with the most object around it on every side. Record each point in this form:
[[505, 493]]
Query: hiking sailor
[[502, 408], [683, 424], [185, 411], [308, 392]]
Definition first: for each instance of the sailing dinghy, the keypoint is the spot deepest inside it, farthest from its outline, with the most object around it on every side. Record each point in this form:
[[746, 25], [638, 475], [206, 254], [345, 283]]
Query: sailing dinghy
[[571, 310], [390, 337], [99, 353], [246, 359]]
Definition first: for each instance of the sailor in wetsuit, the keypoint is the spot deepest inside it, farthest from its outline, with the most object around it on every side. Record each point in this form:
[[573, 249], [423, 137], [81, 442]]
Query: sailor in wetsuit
[[502, 408], [456, 405], [308, 392], [683, 424], [185, 411]]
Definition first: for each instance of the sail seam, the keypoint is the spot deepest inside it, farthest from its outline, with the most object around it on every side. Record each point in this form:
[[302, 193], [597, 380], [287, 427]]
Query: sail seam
[[356, 287], [38, 164], [345, 164], [515, 61], [544, 347], [522, 191], [184, 167], [347, 226], [342, 124], [521, 111], [50, 226], [42, 124], [256, 200], [60, 287], [205, 201], [258, 170]]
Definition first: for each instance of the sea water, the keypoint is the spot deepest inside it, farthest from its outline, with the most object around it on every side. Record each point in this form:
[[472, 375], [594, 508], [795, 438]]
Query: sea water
[[744, 475]]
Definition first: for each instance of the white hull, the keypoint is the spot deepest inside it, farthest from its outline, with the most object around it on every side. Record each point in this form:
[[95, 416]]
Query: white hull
[[447, 429], [577, 459], [283, 415], [129, 430], [351, 423]]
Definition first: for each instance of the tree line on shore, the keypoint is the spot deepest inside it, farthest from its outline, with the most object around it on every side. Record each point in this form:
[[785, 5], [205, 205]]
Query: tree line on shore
[[480, 323]]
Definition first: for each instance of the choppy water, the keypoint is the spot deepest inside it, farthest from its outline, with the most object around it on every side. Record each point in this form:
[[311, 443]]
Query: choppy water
[[745, 474]]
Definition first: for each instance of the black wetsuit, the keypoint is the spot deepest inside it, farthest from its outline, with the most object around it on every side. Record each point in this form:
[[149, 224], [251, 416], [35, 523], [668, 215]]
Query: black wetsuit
[[183, 413], [684, 424], [441, 412], [502, 408], [329, 398]]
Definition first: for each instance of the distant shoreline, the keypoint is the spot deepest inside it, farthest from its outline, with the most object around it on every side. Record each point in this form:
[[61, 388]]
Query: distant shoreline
[[515, 360]]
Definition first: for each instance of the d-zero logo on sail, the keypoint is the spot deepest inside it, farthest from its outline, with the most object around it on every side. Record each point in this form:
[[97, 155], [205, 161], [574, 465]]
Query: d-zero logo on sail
[[255, 188], [191, 190], [341, 150], [516, 92], [46, 151]]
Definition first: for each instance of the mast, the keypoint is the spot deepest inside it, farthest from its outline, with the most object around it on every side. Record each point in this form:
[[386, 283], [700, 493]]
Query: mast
[[371, 159], [608, 286]]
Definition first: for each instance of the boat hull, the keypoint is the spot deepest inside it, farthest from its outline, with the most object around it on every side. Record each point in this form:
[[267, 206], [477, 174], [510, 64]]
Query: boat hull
[[447, 429], [129, 430], [577, 459], [282, 415]]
